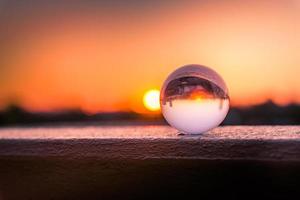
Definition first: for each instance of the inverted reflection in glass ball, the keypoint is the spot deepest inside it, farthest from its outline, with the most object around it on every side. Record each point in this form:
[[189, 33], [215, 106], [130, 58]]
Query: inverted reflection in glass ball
[[194, 99]]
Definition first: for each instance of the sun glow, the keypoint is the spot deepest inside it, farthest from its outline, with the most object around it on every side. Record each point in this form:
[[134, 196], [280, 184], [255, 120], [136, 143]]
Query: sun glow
[[151, 100]]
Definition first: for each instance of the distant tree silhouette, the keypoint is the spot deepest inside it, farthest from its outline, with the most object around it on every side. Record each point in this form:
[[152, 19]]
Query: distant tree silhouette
[[267, 113]]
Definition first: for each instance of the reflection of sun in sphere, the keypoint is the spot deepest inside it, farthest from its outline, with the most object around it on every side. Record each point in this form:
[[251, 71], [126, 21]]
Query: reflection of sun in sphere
[[151, 100], [194, 99]]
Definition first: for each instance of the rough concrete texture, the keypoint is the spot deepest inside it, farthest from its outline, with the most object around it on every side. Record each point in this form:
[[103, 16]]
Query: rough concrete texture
[[279, 143], [149, 163]]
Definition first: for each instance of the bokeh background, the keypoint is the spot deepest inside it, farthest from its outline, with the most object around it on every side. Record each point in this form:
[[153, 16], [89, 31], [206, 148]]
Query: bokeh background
[[94, 60]]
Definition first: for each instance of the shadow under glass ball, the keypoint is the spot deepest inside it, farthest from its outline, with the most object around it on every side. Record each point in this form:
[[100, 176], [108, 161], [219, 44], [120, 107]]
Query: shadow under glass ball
[[194, 99]]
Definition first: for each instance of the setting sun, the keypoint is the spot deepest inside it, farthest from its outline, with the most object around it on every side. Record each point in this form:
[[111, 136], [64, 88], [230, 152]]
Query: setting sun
[[151, 100]]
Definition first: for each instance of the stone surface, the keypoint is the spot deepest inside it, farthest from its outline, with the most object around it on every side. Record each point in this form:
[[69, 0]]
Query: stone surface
[[149, 162], [142, 142]]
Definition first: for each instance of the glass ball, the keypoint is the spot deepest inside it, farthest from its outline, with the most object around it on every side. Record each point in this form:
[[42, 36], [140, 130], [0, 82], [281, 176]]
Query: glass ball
[[194, 99]]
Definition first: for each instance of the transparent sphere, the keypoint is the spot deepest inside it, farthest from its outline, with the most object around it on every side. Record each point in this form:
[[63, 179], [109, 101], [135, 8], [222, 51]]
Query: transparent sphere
[[194, 99]]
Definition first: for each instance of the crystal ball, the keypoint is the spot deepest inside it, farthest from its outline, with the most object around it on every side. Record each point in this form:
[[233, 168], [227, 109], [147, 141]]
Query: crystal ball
[[194, 99]]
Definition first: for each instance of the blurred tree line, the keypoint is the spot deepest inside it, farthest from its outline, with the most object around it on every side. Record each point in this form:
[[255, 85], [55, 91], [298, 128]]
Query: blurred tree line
[[267, 113]]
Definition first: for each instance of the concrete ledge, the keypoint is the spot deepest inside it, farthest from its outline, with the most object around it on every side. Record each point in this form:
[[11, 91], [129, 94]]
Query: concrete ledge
[[279, 143], [150, 162]]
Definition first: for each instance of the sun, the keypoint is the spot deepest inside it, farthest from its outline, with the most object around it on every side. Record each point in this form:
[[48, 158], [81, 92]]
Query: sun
[[151, 100]]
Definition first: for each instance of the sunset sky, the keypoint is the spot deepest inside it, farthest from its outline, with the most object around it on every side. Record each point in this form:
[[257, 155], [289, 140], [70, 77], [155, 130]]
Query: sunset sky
[[104, 55]]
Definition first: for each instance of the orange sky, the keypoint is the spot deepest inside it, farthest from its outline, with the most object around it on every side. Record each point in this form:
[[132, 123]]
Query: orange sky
[[102, 56]]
